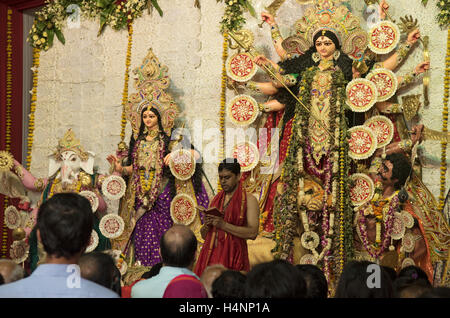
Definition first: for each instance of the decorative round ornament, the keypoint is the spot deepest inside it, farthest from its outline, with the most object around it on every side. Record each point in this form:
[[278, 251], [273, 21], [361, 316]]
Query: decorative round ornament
[[384, 37], [19, 251], [362, 143], [362, 94], [242, 110], [308, 259], [407, 219], [240, 67], [183, 209], [182, 164], [383, 129], [93, 242], [398, 227], [113, 187], [247, 155], [385, 81], [111, 226], [13, 219], [92, 197], [362, 190], [408, 242], [408, 262], [6, 161], [310, 240]]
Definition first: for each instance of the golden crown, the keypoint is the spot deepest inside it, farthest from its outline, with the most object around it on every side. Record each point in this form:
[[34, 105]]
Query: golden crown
[[70, 143], [331, 15], [151, 81]]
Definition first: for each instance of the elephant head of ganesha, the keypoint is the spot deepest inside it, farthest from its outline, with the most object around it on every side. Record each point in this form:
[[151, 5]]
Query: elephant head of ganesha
[[69, 159]]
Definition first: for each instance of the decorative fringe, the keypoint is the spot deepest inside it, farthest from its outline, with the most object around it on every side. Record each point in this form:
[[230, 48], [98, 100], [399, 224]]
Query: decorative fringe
[[36, 56], [445, 125], [222, 102], [123, 122], [4, 248]]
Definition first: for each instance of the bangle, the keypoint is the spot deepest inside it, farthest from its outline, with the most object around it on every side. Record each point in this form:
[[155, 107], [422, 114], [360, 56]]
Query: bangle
[[275, 32], [253, 86], [408, 78], [405, 145]]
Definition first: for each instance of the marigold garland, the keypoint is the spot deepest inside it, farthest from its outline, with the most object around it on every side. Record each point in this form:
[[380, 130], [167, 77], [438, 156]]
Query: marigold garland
[[223, 92], [445, 125], [123, 122], [8, 111], [36, 56]]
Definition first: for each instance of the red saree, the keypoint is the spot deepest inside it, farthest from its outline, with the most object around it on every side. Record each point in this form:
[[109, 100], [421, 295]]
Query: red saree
[[230, 251]]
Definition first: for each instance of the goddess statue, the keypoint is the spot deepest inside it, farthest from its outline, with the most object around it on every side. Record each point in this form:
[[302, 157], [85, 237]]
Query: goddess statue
[[147, 208]]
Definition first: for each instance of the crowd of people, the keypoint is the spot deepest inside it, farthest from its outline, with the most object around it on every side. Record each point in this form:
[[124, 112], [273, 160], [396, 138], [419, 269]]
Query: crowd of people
[[64, 223]]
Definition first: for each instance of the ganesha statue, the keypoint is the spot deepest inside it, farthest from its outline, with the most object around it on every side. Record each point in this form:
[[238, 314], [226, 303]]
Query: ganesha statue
[[71, 169]]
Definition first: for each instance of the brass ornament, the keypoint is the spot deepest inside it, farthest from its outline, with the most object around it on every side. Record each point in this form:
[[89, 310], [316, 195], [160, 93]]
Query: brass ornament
[[246, 37], [430, 134], [408, 24], [411, 105], [85, 179], [18, 234], [6, 161]]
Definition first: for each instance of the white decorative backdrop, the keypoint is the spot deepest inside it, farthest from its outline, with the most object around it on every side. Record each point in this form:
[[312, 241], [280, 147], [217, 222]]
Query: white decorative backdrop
[[81, 82]]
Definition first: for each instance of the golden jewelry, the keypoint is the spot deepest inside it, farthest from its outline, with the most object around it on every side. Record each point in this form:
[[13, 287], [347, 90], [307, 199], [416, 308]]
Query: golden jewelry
[[153, 133]]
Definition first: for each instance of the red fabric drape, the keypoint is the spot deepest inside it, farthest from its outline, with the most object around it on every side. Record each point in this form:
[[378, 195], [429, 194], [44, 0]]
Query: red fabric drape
[[231, 251], [16, 96]]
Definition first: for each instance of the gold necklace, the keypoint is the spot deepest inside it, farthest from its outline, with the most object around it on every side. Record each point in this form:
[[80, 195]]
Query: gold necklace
[[153, 133]]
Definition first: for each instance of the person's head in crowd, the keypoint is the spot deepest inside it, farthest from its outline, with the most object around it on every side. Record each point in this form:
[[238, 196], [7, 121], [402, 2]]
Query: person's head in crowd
[[153, 271], [2, 281], [411, 282], [64, 226], [275, 279], [363, 279], [392, 273], [413, 272], [100, 268], [230, 284], [437, 292], [178, 247], [229, 174], [10, 270], [316, 283], [185, 286], [209, 275]]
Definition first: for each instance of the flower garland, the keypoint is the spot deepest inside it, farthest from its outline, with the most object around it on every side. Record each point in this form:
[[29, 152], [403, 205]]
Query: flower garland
[[36, 56], [123, 122], [285, 209], [379, 250], [445, 125], [443, 16], [223, 101], [146, 198], [8, 111], [233, 18], [118, 14]]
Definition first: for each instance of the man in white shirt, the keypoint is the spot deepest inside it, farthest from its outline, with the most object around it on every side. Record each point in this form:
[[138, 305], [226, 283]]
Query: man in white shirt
[[178, 249]]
